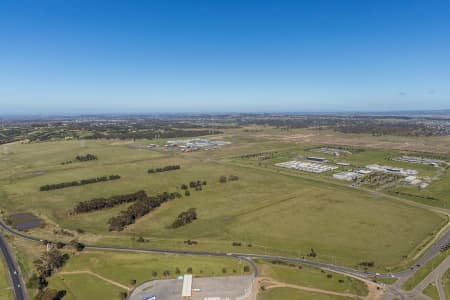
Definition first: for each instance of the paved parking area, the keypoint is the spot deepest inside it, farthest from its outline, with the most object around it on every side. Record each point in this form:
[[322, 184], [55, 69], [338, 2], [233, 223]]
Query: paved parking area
[[226, 288]]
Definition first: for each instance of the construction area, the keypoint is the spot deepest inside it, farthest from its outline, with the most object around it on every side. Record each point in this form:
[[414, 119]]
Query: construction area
[[187, 287]]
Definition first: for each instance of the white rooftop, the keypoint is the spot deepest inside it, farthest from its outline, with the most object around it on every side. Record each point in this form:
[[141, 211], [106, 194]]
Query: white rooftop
[[187, 286]]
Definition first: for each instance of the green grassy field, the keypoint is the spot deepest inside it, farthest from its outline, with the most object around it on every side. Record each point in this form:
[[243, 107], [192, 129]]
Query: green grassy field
[[313, 277], [84, 286], [446, 283], [344, 226], [5, 288], [431, 291], [124, 266], [293, 294], [425, 270]]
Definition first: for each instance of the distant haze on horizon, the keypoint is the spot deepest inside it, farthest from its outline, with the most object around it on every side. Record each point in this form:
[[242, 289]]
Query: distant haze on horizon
[[61, 57]]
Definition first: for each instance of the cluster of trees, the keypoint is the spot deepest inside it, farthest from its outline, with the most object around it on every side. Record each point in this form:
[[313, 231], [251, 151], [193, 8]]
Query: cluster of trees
[[47, 264], [223, 178], [86, 157], [367, 264], [101, 203], [164, 169], [63, 185], [190, 242], [50, 294], [197, 185], [138, 209], [312, 253], [74, 244], [185, 218]]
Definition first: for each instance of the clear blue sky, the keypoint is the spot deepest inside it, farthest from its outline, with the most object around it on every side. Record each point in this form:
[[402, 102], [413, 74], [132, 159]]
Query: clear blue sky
[[212, 56]]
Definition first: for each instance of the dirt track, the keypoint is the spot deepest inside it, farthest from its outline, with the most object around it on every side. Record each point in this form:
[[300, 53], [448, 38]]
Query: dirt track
[[98, 276], [270, 283]]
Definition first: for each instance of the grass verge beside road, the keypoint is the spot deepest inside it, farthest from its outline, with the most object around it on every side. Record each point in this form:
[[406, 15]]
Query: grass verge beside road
[[417, 277], [5, 288], [446, 283], [431, 291], [294, 294], [312, 277]]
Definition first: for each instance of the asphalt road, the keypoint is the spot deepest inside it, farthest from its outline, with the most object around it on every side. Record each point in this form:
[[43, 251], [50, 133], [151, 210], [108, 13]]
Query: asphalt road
[[19, 291]]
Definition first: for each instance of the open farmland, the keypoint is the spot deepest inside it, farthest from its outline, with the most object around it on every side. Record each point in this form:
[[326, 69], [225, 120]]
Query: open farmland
[[344, 226]]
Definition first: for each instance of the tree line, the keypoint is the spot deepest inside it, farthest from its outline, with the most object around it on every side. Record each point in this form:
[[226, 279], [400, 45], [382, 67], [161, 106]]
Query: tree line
[[86, 157], [138, 209], [63, 185], [185, 218], [102, 203], [164, 169]]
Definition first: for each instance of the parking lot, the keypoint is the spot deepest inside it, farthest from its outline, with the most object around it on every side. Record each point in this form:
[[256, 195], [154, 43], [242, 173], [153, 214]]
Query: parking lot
[[225, 288]]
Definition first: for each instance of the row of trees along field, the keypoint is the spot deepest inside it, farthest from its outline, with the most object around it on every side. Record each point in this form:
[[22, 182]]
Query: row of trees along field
[[139, 209], [86, 157], [63, 185], [101, 203], [164, 169]]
